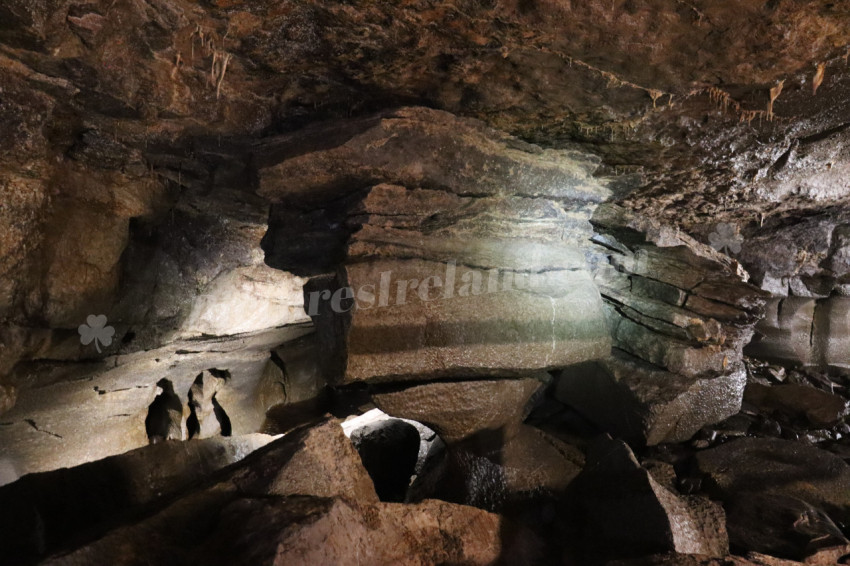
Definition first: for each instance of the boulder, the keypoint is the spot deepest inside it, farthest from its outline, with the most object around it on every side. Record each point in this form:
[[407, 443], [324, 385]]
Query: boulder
[[798, 403], [508, 474], [461, 409], [625, 512], [305, 499], [45, 511], [781, 495], [322, 531], [645, 404]]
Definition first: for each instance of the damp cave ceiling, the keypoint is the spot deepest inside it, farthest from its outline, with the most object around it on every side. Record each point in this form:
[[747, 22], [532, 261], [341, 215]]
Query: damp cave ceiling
[[673, 95]]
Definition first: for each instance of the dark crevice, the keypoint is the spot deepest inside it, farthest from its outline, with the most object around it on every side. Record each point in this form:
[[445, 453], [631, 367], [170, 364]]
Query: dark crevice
[[165, 415], [35, 426], [222, 418]]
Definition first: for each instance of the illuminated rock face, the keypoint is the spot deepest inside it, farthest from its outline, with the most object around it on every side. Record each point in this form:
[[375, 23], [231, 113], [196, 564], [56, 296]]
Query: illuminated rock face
[[464, 255], [680, 314], [805, 331]]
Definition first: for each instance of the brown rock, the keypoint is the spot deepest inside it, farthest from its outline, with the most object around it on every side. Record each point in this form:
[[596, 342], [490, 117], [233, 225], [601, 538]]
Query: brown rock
[[45, 511], [819, 408], [780, 495], [320, 531], [318, 461], [626, 512], [8, 396], [259, 518], [461, 409]]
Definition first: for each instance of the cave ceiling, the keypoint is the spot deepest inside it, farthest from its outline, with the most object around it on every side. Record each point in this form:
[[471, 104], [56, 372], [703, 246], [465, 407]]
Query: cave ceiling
[[675, 96]]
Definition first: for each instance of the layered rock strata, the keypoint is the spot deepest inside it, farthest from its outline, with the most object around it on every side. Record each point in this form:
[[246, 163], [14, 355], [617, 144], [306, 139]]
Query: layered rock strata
[[453, 250], [680, 314]]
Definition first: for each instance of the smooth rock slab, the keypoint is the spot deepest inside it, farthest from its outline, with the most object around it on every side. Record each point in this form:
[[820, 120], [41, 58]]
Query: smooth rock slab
[[461, 409]]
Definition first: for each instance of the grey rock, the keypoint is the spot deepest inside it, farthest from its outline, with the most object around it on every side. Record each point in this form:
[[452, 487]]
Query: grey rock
[[646, 404]]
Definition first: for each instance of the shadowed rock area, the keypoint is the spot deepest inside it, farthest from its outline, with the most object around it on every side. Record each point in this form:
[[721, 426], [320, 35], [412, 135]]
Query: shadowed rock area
[[304, 282]]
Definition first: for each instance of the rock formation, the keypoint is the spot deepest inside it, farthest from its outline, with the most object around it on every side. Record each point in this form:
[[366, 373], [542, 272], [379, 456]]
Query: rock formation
[[518, 281]]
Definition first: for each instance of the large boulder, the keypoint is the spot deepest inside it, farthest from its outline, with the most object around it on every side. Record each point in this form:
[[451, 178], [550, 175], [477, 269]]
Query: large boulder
[[646, 404], [780, 495], [305, 499], [461, 409], [45, 511], [625, 511]]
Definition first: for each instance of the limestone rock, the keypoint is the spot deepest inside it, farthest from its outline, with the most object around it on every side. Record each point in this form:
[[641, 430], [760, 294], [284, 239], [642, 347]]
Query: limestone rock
[[784, 334], [528, 469], [43, 512], [389, 147], [461, 331], [207, 417], [319, 461], [311, 530], [460, 409], [284, 504], [69, 414], [801, 489], [805, 331], [646, 404], [8, 396], [626, 512], [680, 314], [246, 299], [799, 403], [440, 268], [316, 531], [752, 559]]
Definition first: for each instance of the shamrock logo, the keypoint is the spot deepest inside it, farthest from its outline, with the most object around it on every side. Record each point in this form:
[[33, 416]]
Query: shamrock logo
[[726, 238], [97, 331]]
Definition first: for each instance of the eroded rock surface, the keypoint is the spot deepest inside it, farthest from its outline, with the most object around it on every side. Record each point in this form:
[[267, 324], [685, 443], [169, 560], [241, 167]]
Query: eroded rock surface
[[460, 409]]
